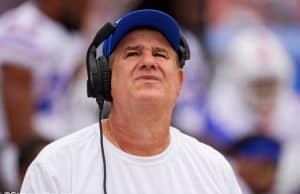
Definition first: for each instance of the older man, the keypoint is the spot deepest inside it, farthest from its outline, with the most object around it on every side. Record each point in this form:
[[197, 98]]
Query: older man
[[141, 152]]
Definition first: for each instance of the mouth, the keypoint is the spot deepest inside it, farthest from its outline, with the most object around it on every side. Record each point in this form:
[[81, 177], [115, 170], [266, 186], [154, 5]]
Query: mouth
[[148, 78]]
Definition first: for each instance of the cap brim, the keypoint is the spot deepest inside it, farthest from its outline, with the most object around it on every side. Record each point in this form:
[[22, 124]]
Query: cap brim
[[148, 18]]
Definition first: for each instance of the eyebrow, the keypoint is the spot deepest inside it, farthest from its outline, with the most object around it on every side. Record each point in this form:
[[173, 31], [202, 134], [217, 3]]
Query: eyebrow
[[159, 49], [138, 47]]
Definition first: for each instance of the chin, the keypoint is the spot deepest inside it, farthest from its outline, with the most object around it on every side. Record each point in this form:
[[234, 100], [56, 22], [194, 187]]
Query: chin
[[148, 97]]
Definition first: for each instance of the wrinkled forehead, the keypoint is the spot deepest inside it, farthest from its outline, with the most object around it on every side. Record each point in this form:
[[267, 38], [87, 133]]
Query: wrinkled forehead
[[145, 36]]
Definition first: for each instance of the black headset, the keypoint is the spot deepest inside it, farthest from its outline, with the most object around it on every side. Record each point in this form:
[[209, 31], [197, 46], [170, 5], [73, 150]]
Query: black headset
[[98, 70]]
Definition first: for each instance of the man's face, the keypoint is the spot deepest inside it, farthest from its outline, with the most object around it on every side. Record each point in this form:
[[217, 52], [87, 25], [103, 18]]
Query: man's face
[[262, 94], [145, 69], [258, 173]]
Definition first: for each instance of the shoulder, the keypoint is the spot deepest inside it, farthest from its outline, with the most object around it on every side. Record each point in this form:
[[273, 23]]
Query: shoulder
[[26, 25], [70, 145], [209, 163], [62, 161], [191, 141], [26, 31], [20, 21], [201, 151]]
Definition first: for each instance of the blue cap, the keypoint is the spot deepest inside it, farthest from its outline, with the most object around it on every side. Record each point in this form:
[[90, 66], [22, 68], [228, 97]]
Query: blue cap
[[148, 18], [259, 146]]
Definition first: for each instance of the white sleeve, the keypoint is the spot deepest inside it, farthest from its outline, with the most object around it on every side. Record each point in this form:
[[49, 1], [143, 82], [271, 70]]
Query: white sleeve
[[20, 51], [40, 178]]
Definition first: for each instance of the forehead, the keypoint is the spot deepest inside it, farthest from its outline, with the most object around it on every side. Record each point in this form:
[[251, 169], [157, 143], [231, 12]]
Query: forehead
[[144, 36]]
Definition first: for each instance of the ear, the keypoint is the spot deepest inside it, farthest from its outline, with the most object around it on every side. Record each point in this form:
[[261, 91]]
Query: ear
[[180, 76]]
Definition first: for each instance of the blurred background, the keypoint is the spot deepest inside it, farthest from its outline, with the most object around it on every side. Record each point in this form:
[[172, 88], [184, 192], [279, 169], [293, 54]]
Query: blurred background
[[241, 94]]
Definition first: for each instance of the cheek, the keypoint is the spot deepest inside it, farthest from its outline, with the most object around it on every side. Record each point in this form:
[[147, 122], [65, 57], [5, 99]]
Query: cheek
[[115, 81], [177, 80], [119, 81]]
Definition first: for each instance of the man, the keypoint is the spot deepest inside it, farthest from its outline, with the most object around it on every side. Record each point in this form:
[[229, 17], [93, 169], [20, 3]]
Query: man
[[141, 153], [256, 159], [251, 91], [40, 50]]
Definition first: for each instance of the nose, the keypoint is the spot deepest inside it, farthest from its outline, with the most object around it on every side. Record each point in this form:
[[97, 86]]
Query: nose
[[148, 62]]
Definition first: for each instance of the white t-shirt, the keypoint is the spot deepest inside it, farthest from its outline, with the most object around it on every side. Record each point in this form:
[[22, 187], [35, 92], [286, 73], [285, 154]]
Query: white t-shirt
[[73, 164], [32, 41]]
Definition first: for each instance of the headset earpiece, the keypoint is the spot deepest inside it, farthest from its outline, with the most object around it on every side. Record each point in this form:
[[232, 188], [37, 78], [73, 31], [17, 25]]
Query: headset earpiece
[[99, 78], [98, 71], [184, 51], [93, 73], [106, 77]]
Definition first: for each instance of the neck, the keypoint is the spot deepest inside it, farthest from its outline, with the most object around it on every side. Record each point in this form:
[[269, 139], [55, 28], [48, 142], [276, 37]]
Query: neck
[[138, 133]]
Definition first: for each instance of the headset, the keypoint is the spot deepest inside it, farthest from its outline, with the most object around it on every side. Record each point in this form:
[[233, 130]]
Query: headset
[[99, 76], [98, 70]]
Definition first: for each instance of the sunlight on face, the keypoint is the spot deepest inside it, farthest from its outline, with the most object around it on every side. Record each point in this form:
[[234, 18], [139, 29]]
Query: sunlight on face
[[145, 69]]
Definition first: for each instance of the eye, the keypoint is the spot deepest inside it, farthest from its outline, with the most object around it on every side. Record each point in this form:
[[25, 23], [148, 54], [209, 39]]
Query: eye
[[132, 53], [160, 54]]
